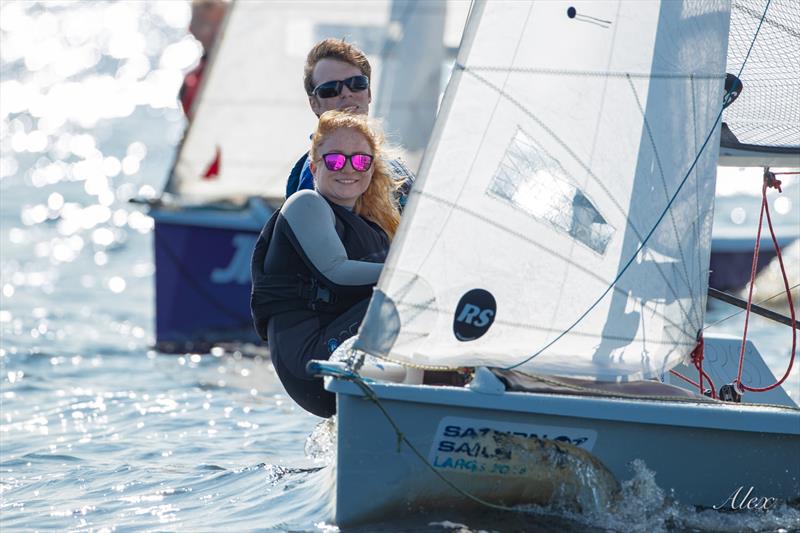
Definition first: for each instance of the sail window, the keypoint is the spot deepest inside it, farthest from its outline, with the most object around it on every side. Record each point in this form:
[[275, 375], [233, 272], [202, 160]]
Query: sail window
[[532, 180]]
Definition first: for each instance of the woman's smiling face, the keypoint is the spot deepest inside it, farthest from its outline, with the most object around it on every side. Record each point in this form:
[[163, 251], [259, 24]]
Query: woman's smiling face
[[345, 186]]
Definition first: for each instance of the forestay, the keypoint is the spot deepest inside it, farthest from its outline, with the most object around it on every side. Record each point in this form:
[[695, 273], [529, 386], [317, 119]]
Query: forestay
[[566, 130], [252, 109]]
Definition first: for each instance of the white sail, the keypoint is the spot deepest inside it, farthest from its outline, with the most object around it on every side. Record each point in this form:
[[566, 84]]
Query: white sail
[[764, 122], [252, 109], [565, 133]]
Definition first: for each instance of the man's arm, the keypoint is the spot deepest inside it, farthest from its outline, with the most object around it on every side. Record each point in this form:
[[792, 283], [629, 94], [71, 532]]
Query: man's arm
[[293, 183], [306, 178]]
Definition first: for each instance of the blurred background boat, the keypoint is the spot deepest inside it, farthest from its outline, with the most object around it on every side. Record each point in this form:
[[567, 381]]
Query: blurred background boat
[[738, 201]]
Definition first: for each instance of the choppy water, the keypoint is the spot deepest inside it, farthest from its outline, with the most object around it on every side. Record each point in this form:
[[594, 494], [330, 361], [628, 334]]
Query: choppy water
[[98, 432]]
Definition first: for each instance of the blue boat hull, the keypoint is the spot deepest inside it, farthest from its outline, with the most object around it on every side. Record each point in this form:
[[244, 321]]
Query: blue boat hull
[[732, 258], [203, 276]]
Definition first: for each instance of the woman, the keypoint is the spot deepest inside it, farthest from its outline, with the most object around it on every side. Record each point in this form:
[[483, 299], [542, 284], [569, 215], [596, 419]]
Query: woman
[[318, 258]]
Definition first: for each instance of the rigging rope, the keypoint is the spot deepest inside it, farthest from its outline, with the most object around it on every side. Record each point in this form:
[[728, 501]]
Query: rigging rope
[[768, 298], [755, 308], [697, 361], [770, 181]]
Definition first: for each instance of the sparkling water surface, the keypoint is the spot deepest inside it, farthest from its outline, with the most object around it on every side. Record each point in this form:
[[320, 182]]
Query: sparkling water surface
[[97, 431]]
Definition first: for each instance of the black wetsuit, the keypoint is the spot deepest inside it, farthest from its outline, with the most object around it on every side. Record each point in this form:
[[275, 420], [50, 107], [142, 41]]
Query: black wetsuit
[[336, 258]]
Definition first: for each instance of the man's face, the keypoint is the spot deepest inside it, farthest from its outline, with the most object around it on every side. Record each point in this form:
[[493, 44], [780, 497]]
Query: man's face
[[334, 70]]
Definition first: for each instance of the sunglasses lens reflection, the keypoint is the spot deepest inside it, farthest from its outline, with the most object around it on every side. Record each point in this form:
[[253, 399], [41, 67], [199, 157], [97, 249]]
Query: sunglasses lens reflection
[[334, 162], [330, 89], [361, 162], [357, 83]]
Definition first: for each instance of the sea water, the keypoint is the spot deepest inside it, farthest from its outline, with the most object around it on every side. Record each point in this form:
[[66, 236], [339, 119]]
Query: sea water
[[97, 431]]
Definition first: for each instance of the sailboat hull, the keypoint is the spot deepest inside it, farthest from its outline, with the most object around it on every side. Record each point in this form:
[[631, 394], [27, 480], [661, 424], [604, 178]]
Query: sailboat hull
[[202, 276], [701, 453]]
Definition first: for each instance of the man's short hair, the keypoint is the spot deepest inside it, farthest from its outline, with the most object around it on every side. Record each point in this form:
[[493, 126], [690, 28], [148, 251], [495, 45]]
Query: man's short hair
[[334, 49]]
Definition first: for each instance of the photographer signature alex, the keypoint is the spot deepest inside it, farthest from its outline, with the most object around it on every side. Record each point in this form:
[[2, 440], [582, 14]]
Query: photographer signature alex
[[741, 500]]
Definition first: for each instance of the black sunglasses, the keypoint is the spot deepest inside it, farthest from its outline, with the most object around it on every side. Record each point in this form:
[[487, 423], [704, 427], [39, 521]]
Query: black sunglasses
[[329, 89]]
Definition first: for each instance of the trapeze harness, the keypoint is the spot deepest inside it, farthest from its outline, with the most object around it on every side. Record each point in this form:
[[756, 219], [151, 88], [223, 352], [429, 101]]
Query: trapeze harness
[[313, 268]]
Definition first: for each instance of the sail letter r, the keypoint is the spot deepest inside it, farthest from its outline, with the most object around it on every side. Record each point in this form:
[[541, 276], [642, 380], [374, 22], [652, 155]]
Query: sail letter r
[[469, 313]]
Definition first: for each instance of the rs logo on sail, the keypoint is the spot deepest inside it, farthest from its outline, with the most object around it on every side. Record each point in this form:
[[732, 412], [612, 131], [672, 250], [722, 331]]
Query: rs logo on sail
[[238, 270], [471, 312], [474, 315]]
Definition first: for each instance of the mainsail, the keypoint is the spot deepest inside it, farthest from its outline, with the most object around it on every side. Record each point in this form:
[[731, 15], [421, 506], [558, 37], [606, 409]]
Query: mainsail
[[252, 118], [764, 122], [572, 134]]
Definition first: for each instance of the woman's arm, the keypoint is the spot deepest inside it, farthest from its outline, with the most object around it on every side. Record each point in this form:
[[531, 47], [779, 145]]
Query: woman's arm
[[313, 225]]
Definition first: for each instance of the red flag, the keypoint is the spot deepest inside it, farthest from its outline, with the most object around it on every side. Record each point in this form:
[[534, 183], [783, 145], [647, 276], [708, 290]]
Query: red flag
[[213, 169]]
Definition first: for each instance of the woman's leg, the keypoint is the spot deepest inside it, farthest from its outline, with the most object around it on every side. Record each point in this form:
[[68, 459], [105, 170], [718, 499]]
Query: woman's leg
[[293, 347]]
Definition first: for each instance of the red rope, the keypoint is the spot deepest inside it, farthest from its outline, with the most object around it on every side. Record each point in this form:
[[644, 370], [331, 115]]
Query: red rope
[[769, 181], [697, 361], [684, 378]]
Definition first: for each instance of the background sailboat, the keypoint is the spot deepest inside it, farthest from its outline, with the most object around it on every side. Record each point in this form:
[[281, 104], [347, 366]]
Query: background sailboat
[[251, 123]]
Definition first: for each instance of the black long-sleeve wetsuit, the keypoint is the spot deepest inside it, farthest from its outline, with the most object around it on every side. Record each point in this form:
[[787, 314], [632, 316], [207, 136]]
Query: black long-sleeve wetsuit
[[337, 256]]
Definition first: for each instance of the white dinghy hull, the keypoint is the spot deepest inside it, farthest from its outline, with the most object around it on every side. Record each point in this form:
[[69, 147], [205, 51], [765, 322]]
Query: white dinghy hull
[[700, 452]]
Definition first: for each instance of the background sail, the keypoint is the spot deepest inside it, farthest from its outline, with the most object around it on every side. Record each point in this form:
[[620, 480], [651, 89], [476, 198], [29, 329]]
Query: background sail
[[252, 107], [565, 131], [413, 55], [765, 120]]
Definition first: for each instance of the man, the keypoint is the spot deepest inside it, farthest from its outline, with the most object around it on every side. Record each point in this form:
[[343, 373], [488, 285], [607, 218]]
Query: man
[[337, 76]]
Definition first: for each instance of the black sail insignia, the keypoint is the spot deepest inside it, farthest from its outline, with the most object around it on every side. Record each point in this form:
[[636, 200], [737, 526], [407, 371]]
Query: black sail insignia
[[474, 315]]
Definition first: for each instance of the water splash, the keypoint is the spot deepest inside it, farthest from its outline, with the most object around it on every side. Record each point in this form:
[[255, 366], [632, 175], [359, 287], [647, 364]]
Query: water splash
[[321, 443], [644, 507]]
